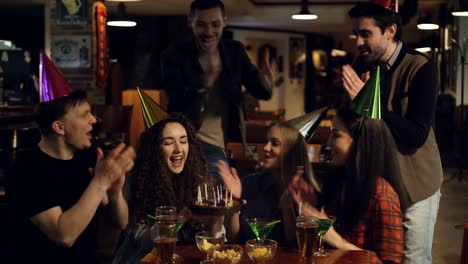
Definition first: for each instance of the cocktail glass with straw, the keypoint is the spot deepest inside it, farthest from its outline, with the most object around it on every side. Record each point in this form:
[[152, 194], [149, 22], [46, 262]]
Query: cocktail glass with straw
[[262, 227], [324, 225]]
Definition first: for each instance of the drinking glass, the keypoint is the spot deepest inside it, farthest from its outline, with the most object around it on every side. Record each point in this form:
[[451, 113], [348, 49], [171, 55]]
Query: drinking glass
[[169, 215], [180, 222], [324, 225], [164, 236], [306, 234], [166, 213], [261, 252], [208, 243], [262, 227]]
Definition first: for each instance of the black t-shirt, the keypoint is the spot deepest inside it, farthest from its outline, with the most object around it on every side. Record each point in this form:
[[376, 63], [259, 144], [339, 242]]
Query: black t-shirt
[[38, 183]]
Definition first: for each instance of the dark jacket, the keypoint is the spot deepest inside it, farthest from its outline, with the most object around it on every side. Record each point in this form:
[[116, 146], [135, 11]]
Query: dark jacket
[[182, 82]]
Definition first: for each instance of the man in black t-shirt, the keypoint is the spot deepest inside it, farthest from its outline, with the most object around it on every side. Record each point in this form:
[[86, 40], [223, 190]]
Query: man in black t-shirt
[[55, 189]]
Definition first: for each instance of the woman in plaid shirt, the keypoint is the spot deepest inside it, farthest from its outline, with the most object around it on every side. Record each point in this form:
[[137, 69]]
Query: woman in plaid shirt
[[366, 196]]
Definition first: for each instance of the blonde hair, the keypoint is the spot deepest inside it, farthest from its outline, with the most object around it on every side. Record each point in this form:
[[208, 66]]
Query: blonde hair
[[294, 154]]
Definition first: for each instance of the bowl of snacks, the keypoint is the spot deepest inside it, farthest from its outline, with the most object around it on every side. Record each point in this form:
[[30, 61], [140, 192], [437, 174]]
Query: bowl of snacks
[[208, 244], [228, 254], [261, 251]]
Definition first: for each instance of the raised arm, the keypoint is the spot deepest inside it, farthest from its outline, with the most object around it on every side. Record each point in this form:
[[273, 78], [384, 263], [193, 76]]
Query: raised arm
[[259, 83], [118, 208], [233, 184]]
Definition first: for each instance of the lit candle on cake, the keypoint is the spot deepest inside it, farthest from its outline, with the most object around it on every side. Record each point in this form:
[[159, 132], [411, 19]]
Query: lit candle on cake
[[199, 198], [225, 197], [214, 196]]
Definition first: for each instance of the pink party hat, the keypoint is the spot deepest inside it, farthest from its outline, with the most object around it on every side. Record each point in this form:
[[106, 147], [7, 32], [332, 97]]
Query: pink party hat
[[51, 81]]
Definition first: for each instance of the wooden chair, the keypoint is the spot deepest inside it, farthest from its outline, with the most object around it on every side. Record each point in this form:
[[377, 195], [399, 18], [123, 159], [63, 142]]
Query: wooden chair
[[464, 250], [113, 124]]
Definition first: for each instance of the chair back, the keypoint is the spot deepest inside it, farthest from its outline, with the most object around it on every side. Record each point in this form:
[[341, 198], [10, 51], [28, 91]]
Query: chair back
[[464, 251], [113, 122]]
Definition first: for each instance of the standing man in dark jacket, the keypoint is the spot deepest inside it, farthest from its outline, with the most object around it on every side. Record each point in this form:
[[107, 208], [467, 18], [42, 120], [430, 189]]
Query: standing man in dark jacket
[[203, 79], [409, 89]]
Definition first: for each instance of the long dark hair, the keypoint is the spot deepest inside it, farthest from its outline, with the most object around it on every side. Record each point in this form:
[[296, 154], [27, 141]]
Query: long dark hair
[[372, 155], [154, 185]]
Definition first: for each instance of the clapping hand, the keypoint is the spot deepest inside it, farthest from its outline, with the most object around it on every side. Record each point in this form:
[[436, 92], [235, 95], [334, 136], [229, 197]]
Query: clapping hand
[[351, 81], [111, 169], [231, 179], [300, 190], [268, 70], [304, 195]]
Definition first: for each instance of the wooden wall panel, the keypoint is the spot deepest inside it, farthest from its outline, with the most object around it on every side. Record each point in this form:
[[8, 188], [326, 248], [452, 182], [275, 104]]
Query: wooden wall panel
[[137, 125]]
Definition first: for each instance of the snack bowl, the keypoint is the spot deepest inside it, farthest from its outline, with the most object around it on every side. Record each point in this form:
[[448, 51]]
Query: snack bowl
[[228, 254], [261, 251]]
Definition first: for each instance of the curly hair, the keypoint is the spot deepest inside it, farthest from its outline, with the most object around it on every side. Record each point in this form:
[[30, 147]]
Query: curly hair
[[154, 185]]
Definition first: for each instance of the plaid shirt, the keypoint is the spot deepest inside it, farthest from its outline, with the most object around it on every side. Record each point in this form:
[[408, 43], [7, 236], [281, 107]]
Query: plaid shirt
[[380, 229]]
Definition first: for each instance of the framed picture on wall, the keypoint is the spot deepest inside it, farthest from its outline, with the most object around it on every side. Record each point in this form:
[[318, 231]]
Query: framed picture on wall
[[297, 58], [72, 12], [72, 51]]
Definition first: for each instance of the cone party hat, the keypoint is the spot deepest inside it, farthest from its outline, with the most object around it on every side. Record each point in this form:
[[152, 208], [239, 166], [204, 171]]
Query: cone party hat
[[52, 84], [306, 124], [367, 101], [152, 111]]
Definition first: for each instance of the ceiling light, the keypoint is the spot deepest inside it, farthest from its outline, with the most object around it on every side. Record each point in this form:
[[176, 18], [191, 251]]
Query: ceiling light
[[304, 14], [462, 9], [338, 53], [424, 49], [428, 26], [460, 13], [121, 20], [425, 23]]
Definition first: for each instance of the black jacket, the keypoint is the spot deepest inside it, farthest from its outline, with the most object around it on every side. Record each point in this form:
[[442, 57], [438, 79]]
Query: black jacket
[[182, 82]]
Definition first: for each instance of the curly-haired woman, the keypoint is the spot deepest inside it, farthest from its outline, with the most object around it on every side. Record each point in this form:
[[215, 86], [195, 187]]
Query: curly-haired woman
[[168, 169]]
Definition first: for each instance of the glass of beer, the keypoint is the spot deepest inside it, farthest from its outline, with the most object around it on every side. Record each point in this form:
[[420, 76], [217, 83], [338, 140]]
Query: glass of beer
[[164, 236], [166, 213], [306, 234]]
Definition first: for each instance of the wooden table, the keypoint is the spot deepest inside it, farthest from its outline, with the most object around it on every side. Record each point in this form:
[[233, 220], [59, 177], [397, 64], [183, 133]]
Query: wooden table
[[191, 254]]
